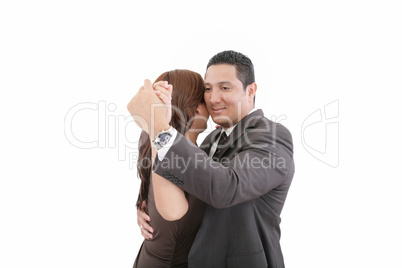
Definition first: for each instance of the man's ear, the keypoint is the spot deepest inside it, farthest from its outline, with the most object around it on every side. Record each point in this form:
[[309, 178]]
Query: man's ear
[[251, 90]]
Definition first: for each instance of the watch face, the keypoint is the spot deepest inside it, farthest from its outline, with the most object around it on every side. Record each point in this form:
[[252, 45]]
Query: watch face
[[162, 137], [165, 137]]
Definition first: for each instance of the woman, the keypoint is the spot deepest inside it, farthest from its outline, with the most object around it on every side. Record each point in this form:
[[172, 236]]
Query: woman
[[175, 214]]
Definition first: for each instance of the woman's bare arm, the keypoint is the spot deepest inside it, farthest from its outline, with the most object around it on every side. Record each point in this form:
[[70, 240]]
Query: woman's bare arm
[[170, 200]]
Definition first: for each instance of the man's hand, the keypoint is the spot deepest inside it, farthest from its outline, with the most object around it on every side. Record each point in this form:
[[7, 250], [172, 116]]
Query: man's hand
[[142, 220], [148, 110]]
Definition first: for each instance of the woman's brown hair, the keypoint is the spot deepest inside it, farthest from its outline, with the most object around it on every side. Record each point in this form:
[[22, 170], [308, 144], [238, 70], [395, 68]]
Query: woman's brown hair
[[188, 92]]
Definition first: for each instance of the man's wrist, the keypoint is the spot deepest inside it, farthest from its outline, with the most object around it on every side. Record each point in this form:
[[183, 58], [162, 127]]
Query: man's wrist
[[162, 151], [164, 138]]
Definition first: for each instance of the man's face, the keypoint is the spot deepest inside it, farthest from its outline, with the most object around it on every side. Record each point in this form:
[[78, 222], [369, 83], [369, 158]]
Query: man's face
[[227, 101]]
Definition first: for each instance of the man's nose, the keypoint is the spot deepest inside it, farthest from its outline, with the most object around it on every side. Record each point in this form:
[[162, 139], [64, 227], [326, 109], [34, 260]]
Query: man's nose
[[215, 96]]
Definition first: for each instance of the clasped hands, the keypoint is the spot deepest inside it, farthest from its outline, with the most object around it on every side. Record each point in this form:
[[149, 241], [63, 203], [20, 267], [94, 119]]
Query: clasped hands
[[151, 107]]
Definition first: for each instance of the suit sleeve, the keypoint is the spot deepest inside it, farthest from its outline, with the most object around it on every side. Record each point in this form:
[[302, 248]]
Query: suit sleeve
[[263, 162]]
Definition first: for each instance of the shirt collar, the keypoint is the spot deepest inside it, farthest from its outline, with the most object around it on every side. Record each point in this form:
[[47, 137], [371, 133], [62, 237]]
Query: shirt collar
[[229, 130]]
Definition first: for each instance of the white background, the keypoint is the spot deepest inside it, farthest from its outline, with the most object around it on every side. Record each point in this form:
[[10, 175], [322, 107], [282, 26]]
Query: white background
[[64, 206]]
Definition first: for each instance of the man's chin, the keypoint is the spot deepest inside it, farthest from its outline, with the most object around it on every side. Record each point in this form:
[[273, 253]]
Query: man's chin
[[222, 123]]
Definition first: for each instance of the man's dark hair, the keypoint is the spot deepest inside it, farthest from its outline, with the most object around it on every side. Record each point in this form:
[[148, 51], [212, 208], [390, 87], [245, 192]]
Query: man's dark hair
[[244, 66]]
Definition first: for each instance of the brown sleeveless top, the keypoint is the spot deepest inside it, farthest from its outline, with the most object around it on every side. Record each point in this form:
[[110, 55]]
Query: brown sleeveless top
[[172, 239]]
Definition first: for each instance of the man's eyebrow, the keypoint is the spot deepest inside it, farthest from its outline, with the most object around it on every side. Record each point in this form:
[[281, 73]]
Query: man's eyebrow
[[220, 83]]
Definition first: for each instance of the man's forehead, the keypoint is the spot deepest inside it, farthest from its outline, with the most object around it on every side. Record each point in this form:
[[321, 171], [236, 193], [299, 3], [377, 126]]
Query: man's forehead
[[222, 73]]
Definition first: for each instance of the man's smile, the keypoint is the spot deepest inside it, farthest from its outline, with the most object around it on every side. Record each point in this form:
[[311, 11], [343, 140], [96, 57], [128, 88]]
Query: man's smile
[[217, 110]]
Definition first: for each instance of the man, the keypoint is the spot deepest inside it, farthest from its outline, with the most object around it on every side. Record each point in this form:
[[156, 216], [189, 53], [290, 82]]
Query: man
[[246, 189]]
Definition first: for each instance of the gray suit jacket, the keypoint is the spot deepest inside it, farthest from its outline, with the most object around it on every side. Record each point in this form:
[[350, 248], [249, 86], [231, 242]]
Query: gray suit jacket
[[245, 192]]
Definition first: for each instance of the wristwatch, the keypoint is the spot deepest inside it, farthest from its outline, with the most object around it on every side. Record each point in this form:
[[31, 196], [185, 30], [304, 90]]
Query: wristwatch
[[163, 138]]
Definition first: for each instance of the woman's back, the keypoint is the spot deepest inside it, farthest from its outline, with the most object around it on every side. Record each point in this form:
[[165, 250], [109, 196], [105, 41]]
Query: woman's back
[[175, 216], [172, 239]]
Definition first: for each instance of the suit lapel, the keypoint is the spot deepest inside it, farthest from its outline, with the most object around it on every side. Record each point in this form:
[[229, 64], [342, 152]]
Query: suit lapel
[[248, 121]]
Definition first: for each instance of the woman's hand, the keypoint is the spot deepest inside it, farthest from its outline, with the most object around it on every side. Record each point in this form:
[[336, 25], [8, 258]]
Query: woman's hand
[[142, 220], [164, 91]]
